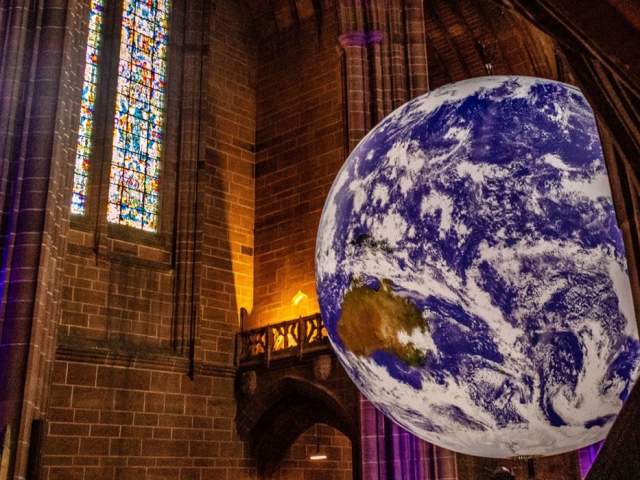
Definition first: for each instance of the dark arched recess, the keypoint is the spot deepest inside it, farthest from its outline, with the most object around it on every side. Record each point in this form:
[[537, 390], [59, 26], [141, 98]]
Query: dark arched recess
[[296, 406]]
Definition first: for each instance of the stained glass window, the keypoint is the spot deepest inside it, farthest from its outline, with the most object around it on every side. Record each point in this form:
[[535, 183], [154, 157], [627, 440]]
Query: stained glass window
[[87, 107], [139, 119]]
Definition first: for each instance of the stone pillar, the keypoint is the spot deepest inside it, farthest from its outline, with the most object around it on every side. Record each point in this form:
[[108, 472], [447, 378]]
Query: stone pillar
[[385, 59], [445, 464], [35, 170], [356, 80]]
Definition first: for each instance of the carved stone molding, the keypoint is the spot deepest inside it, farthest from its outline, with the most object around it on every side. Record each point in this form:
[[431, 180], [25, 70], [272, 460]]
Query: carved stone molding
[[322, 365], [249, 383]]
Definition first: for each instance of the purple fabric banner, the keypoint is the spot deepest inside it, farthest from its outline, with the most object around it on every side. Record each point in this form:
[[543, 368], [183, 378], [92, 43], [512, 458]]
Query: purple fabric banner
[[391, 453], [586, 457]]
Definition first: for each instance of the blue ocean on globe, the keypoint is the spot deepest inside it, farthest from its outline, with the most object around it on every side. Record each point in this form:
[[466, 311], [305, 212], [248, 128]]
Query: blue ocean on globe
[[471, 273]]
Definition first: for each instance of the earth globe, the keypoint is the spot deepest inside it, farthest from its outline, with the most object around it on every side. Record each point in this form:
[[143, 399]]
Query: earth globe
[[471, 274]]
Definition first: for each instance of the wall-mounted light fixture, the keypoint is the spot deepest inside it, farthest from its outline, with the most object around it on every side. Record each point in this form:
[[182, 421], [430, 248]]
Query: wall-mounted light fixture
[[317, 455], [298, 298]]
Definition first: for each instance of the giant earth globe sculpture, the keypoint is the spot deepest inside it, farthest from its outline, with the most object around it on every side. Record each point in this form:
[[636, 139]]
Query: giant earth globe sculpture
[[471, 273]]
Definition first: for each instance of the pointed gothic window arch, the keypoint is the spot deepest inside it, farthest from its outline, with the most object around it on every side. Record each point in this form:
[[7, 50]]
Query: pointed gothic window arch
[[138, 114]]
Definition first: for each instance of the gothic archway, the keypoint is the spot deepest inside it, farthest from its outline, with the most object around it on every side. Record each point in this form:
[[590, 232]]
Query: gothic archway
[[288, 410]]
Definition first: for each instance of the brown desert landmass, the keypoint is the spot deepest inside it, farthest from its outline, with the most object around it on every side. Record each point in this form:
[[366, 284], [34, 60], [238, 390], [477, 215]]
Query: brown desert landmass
[[371, 320]]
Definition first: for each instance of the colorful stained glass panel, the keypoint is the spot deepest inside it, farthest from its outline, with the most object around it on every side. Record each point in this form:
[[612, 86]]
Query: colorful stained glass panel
[[139, 116], [87, 107]]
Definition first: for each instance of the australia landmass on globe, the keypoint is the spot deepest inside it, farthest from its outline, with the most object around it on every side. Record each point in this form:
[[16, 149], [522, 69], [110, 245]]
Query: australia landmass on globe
[[372, 320]]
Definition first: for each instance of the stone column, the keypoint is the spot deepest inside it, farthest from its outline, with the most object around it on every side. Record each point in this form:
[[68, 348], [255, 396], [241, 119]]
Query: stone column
[[385, 59], [445, 464], [35, 172]]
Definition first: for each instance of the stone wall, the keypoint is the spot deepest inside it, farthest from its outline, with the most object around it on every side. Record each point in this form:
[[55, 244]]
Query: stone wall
[[137, 391], [299, 149]]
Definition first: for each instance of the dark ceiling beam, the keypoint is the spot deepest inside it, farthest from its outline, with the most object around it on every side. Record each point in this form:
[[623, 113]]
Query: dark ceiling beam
[[464, 35], [432, 15], [489, 21], [530, 47], [439, 61], [474, 37], [454, 35], [595, 27]]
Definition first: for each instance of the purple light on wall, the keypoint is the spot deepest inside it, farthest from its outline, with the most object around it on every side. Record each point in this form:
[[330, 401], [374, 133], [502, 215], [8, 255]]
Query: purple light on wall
[[587, 456], [360, 39]]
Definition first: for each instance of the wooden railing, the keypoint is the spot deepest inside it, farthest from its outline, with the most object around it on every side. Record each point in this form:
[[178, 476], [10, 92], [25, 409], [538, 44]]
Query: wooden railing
[[282, 340]]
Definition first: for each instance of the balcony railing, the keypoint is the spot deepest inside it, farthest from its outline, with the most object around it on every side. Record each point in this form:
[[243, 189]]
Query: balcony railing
[[282, 340]]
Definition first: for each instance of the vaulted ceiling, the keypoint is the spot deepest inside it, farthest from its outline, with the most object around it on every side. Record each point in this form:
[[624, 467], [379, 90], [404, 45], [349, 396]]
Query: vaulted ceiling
[[457, 29], [272, 16], [463, 36], [469, 38]]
